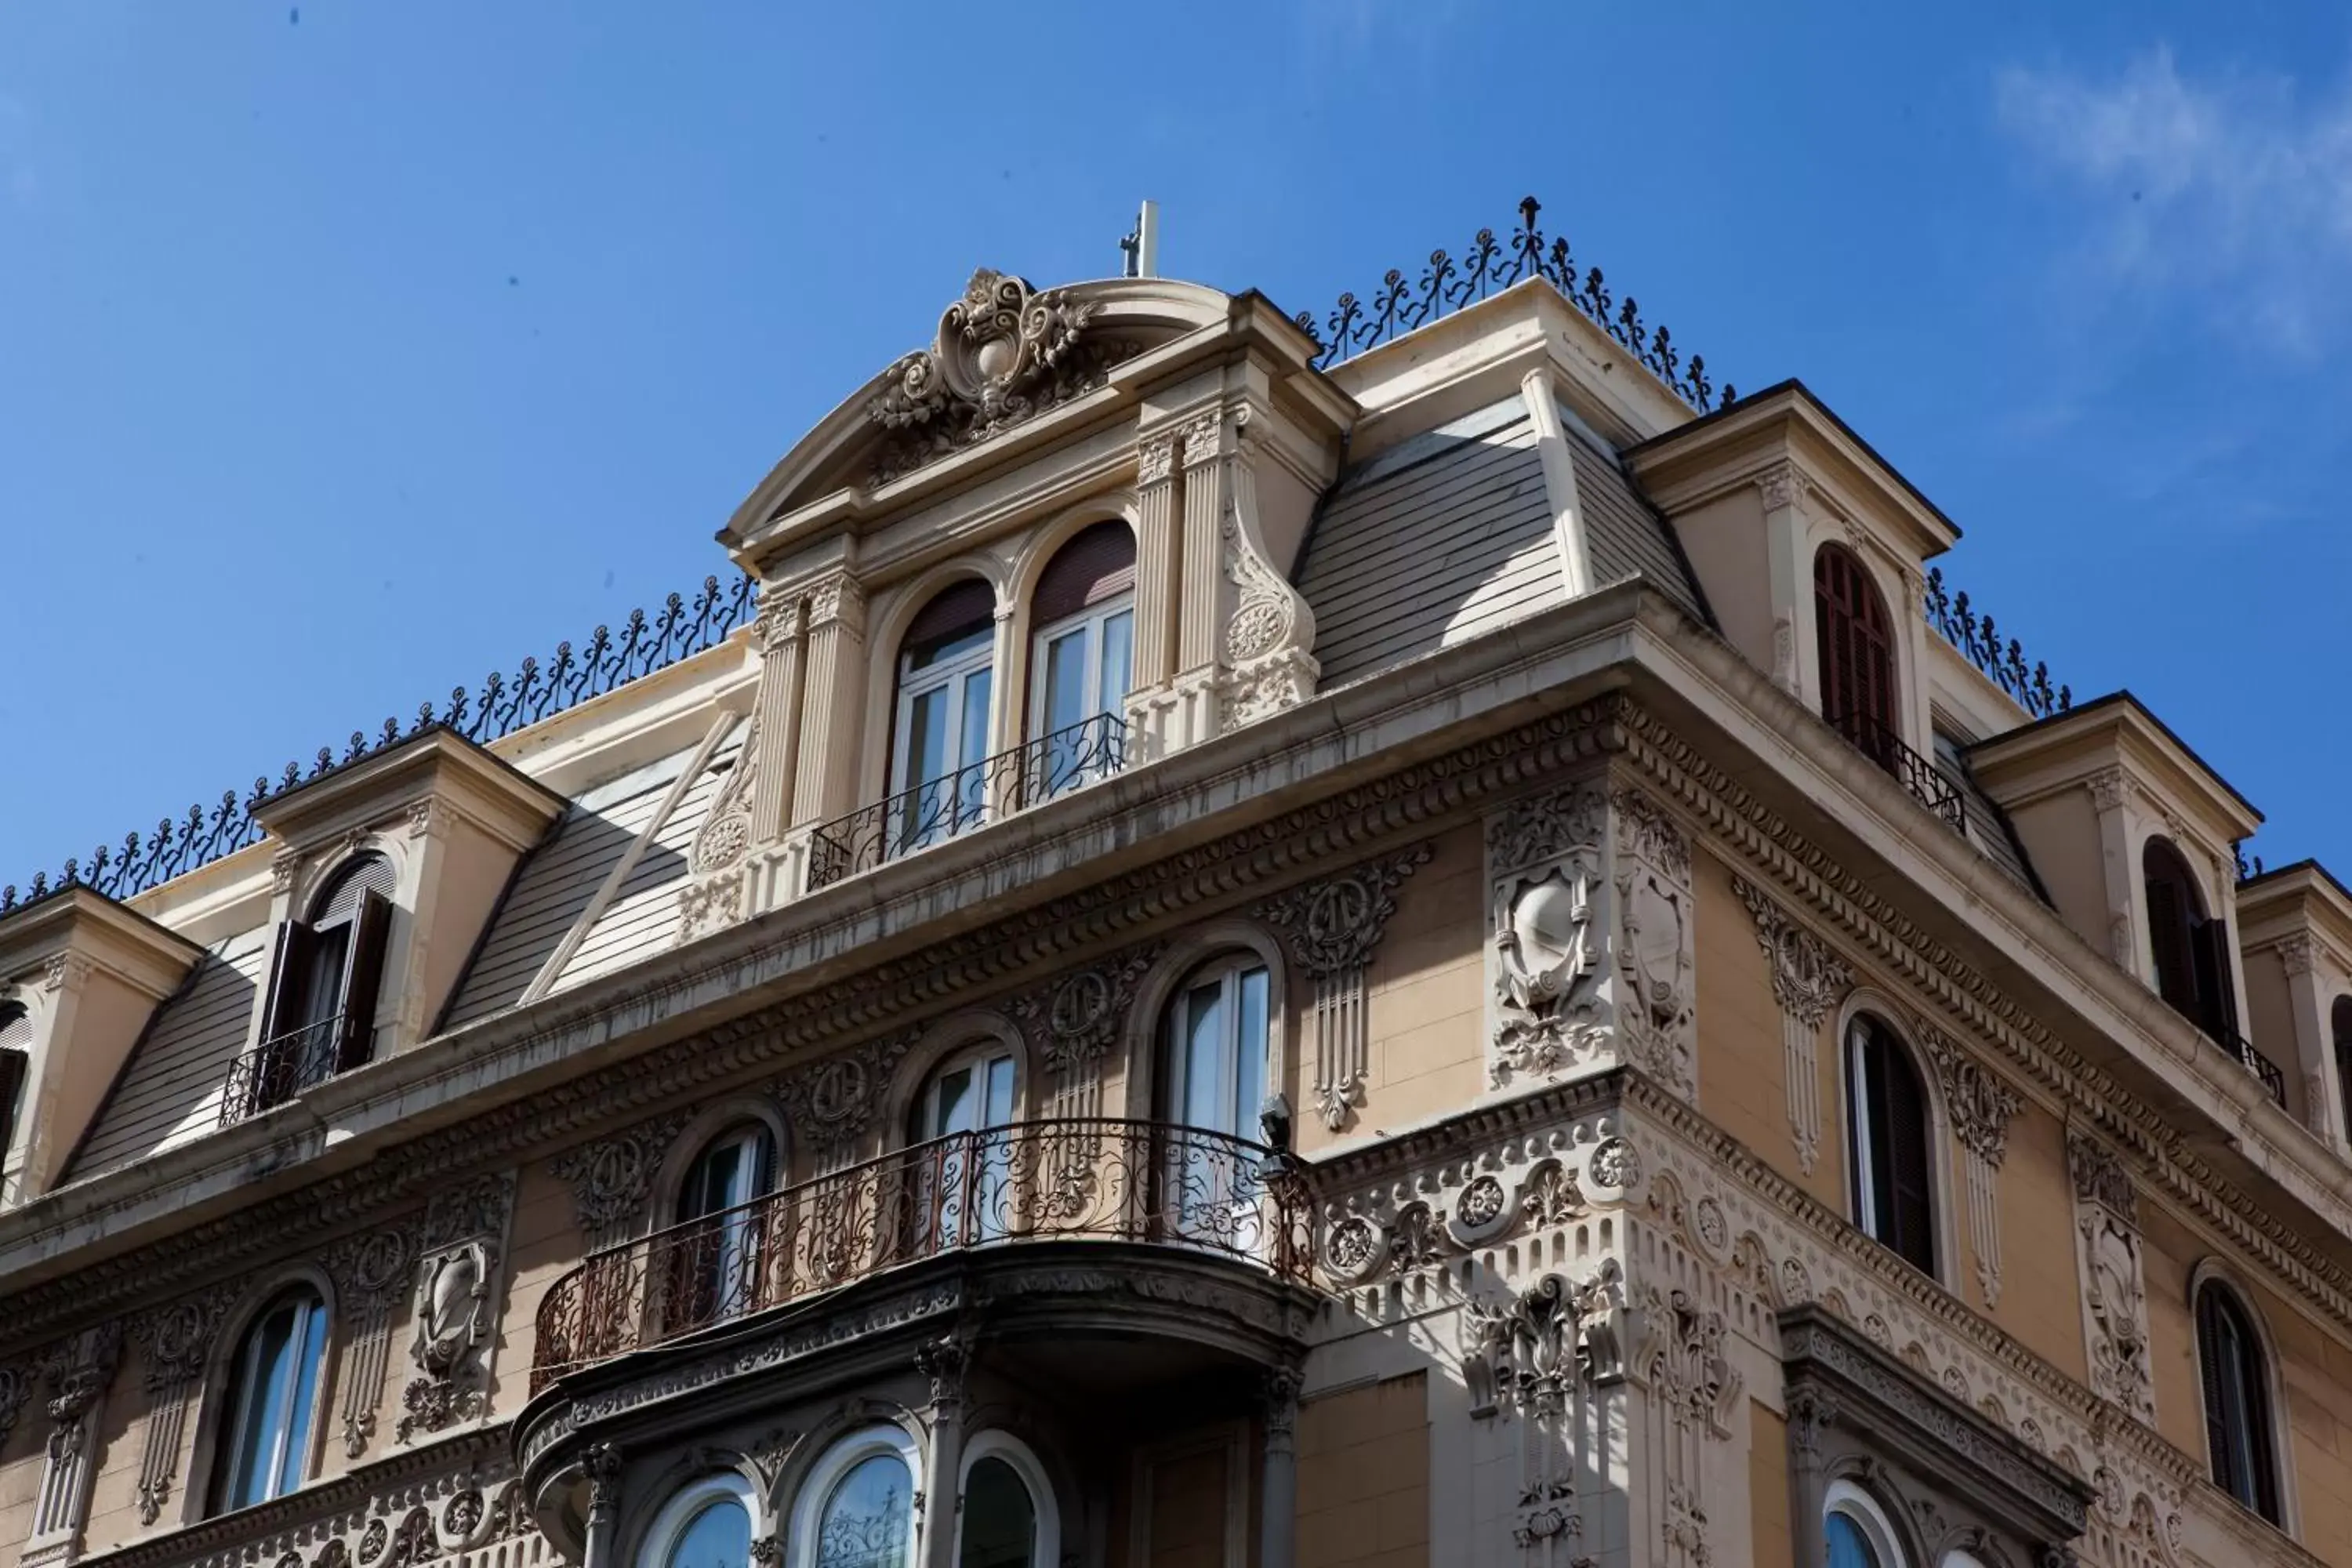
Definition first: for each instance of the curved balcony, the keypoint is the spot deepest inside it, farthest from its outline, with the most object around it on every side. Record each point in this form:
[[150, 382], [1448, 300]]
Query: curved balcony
[[1077, 1179]]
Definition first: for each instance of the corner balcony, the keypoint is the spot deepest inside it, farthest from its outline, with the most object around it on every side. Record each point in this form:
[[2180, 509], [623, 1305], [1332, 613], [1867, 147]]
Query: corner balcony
[[972, 796], [1066, 1192]]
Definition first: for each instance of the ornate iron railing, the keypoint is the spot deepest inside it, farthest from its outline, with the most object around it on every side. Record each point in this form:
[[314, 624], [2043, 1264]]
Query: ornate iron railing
[[1490, 264], [1915, 773], [281, 1067], [2252, 1059], [499, 706], [1974, 635], [1083, 1178], [967, 798]]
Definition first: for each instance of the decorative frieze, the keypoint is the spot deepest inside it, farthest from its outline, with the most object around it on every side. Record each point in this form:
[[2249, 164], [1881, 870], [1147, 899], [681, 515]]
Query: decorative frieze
[[1808, 981], [612, 1178], [1072, 1022], [712, 897], [1268, 641], [831, 1101], [1656, 945], [176, 1342], [1534, 1357], [455, 1306], [1333, 927], [1544, 859], [74, 1375], [1694, 1392], [2109, 1274], [1981, 1108]]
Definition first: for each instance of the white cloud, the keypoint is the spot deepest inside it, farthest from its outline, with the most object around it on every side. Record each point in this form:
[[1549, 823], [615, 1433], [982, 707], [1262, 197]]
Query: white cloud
[[2232, 186]]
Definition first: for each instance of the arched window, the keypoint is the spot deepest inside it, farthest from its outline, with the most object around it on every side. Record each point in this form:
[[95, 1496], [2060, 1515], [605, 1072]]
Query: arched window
[[1886, 1132], [714, 1254], [2189, 952], [858, 1508], [271, 1397], [1008, 1519], [1857, 1531], [946, 677], [320, 1013], [16, 1067], [2236, 1386], [706, 1525], [1855, 640], [2340, 1026], [1214, 1083], [1080, 657], [963, 1161]]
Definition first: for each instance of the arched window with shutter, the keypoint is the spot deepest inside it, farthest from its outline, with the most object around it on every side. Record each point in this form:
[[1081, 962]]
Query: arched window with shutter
[[1081, 656], [941, 718], [1888, 1143], [2189, 953], [320, 1013], [1855, 639], [2233, 1376]]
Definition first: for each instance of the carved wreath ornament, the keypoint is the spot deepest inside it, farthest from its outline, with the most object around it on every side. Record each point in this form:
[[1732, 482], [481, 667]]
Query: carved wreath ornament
[[1004, 352]]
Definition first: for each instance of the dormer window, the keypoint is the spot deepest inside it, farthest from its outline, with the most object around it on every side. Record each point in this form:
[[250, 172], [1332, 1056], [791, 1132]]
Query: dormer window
[[2189, 952], [1080, 658], [940, 729], [319, 1019]]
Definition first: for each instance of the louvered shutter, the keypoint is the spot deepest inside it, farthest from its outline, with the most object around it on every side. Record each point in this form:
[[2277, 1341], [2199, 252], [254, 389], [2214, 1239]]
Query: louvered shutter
[[2219, 995], [289, 967], [2168, 941], [2221, 1452], [1097, 564], [1851, 635], [363, 979], [1912, 1206], [953, 612]]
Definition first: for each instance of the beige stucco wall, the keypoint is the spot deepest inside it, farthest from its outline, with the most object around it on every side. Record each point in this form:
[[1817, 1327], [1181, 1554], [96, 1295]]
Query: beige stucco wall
[[544, 1243], [1426, 996], [2040, 1293], [1363, 1476], [1725, 541], [2060, 836], [1767, 1488]]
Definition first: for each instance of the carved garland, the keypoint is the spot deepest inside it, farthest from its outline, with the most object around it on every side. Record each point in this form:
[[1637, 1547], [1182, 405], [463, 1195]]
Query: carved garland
[[1808, 981], [1981, 1108]]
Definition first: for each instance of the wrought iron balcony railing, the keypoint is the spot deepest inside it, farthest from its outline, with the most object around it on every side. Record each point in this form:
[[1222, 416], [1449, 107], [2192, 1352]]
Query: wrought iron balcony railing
[[969, 798], [2227, 1037], [1086, 1178], [1915, 773], [281, 1067]]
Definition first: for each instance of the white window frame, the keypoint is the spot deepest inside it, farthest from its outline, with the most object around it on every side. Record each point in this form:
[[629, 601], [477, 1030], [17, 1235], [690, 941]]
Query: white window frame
[[913, 684], [241, 1391], [846, 1454], [1093, 618], [998, 1444], [1857, 1504], [686, 1505], [1227, 973]]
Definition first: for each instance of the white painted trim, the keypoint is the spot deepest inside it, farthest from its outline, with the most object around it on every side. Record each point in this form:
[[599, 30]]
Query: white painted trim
[[1542, 398], [846, 1454], [998, 1444], [686, 1505], [1877, 1526]]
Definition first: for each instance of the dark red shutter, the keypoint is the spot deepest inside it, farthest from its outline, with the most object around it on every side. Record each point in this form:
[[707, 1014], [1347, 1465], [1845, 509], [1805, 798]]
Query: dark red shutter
[[2217, 1447], [12, 1065], [1097, 564], [2340, 1016], [363, 978], [289, 967], [2218, 994], [1912, 1207]]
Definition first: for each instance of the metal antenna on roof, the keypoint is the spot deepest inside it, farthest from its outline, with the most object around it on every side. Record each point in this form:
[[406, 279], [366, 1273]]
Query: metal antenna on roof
[[1141, 245]]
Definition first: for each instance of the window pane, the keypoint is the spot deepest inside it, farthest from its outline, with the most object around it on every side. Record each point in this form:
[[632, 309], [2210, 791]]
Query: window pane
[[865, 1520], [1118, 637], [308, 1350], [1000, 1522], [927, 738], [1203, 1063], [976, 687], [1250, 1069], [952, 1103], [268, 1373], [719, 1537], [1849, 1548], [1000, 1091], [1066, 680]]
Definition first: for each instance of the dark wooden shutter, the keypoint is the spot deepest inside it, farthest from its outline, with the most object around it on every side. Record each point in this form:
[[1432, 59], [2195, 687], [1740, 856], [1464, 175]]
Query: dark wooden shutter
[[2340, 1018], [2168, 941], [363, 978], [289, 967], [14, 1064], [2219, 1449], [2217, 988], [954, 611], [1097, 564], [1853, 638], [1912, 1207]]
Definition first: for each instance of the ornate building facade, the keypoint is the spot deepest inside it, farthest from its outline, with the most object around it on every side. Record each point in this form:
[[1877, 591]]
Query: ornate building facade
[[1407, 939]]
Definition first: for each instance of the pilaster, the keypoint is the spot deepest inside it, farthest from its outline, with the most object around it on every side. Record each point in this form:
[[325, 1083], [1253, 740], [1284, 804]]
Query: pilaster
[[833, 690]]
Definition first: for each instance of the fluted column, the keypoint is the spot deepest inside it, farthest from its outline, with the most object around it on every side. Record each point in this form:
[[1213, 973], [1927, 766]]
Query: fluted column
[[778, 631], [1278, 1478], [1159, 591], [833, 684]]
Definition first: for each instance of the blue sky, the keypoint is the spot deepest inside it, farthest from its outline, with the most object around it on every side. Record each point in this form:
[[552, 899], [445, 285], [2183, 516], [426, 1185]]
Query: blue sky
[[350, 350]]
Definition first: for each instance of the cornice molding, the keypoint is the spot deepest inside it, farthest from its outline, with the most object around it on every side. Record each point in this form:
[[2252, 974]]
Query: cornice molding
[[1932, 969]]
